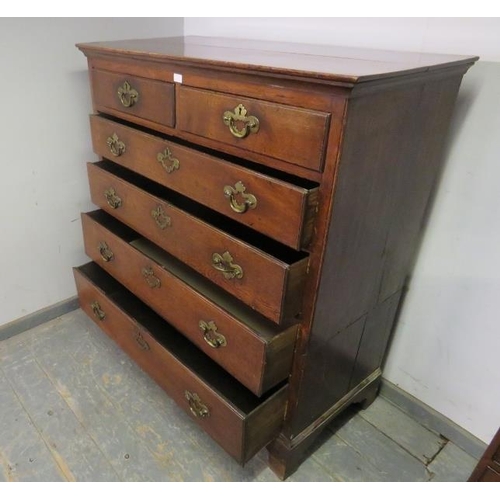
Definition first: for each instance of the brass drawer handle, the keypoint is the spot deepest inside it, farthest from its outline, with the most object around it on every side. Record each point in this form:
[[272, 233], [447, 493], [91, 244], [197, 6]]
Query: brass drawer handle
[[211, 336], [128, 96], [116, 146], [149, 275], [114, 201], [168, 162], [98, 312], [161, 218], [140, 340], [224, 264], [249, 200], [105, 252], [239, 114], [198, 409]]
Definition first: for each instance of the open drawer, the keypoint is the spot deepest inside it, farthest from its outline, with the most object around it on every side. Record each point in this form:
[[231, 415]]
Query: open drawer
[[236, 419]]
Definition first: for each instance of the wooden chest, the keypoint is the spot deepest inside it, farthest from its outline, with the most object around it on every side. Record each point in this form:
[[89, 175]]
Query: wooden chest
[[260, 209]]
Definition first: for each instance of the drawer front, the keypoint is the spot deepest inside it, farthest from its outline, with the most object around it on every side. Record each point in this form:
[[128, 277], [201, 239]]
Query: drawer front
[[227, 261], [254, 199], [136, 99], [287, 133], [223, 421], [221, 335]]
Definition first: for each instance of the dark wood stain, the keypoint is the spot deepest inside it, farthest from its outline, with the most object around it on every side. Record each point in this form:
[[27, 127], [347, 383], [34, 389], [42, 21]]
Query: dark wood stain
[[203, 177], [344, 165], [257, 353], [177, 366]]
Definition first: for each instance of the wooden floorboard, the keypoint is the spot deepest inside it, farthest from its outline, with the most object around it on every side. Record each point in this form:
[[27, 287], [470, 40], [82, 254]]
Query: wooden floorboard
[[415, 439], [74, 407]]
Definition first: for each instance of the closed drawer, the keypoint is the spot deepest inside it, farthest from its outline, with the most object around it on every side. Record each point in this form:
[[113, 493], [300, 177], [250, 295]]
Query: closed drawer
[[239, 421], [251, 198], [225, 253], [253, 350], [295, 135], [136, 99]]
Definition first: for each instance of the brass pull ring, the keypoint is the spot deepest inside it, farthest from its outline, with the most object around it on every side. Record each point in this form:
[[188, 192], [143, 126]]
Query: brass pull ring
[[198, 409], [144, 346], [211, 336], [116, 146], [168, 162], [149, 275], [114, 201], [224, 264], [98, 312], [239, 114], [128, 96], [249, 200], [105, 252]]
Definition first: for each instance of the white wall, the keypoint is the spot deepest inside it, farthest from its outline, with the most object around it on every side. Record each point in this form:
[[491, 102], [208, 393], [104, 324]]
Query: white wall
[[445, 349], [44, 147]]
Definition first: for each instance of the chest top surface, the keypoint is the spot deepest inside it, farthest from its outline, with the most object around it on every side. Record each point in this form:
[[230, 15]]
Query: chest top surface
[[344, 65]]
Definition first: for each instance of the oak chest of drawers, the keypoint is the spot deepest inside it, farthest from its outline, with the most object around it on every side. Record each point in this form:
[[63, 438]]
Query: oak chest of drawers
[[260, 207]]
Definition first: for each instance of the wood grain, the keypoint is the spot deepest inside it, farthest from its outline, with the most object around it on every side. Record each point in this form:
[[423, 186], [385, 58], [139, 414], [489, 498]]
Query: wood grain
[[203, 178], [194, 242], [168, 366], [342, 65], [257, 353], [155, 102], [295, 135], [369, 251]]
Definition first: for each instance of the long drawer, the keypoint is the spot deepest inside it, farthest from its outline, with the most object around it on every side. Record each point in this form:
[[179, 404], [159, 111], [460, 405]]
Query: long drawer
[[257, 200], [234, 417], [265, 275], [252, 349]]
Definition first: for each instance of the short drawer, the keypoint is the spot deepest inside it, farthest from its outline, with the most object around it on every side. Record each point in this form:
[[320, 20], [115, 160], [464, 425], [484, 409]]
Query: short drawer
[[265, 275], [252, 198], [253, 350], [234, 417], [295, 135], [136, 99]]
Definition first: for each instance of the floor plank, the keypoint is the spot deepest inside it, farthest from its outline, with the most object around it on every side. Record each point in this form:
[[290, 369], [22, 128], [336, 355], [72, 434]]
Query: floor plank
[[393, 462], [105, 423], [24, 454], [68, 441], [418, 441], [452, 465], [73, 406]]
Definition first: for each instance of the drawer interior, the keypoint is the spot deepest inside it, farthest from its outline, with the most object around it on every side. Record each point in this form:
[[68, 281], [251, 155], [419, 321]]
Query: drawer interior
[[268, 245], [182, 349]]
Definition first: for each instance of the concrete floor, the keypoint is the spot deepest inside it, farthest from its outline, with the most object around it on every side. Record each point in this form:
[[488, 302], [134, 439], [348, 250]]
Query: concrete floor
[[73, 407]]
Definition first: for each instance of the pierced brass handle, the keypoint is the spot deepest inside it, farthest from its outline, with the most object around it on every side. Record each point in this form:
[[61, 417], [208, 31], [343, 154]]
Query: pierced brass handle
[[116, 146], [211, 336], [140, 340], [161, 218], [249, 200], [224, 264], [114, 201], [105, 252], [149, 275], [198, 409], [239, 114], [98, 312], [128, 96], [168, 162]]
